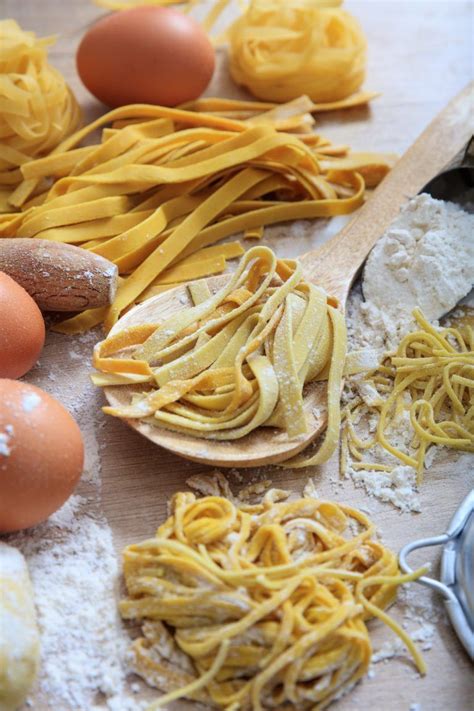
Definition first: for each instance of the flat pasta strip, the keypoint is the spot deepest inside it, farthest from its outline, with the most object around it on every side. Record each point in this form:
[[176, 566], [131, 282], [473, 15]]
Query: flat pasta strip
[[164, 184], [237, 359]]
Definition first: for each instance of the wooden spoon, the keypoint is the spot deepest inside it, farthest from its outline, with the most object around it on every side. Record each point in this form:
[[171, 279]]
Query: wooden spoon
[[333, 266]]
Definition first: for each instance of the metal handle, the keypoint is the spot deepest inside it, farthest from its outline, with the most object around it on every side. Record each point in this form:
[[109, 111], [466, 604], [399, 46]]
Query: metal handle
[[457, 536], [429, 582], [468, 158]]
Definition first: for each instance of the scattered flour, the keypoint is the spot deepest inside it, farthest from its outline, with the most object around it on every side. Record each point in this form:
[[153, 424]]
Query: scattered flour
[[5, 439], [397, 487], [30, 401], [74, 569], [426, 259]]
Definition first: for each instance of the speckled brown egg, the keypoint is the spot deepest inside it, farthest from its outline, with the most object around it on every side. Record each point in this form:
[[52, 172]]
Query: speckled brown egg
[[22, 329], [41, 455]]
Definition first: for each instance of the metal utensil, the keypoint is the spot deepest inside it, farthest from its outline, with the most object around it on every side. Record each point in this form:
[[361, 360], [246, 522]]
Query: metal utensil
[[456, 182], [456, 582]]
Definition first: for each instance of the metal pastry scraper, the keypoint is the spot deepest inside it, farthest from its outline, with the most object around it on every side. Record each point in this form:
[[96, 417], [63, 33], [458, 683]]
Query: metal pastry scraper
[[456, 582]]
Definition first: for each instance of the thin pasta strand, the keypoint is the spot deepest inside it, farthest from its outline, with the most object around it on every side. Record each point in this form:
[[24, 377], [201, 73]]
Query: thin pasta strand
[[258, 600], [430, 375]]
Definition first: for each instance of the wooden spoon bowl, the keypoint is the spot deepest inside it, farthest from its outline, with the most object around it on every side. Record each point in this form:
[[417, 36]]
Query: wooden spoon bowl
[[266, 445], [334, 266]]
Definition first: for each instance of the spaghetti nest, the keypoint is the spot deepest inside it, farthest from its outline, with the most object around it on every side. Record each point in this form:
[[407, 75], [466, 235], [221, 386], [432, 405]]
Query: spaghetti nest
[[238, 359], [280, 50], [258, 607], [38, 109], [431, 377]]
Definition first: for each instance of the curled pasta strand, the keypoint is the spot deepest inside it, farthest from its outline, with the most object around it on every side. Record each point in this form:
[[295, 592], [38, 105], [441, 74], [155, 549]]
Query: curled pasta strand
[[260, 623], [431, 376]]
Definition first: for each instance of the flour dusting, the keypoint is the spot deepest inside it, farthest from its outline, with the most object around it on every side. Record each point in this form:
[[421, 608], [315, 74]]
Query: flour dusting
[[74, 568], [425, 259]]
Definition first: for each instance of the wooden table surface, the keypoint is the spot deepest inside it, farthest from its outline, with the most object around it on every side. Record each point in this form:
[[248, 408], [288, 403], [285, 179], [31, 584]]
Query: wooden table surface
[[420, 55]]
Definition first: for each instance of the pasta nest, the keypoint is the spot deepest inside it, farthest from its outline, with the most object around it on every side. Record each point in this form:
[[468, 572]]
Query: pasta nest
[[38, 109], [258, 606], [427, 382], [280, 50]]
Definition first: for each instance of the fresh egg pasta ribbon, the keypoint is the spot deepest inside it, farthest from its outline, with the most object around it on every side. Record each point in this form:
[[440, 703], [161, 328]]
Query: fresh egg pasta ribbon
[[37, 108], [259, 606], [164, 185], [431, 374], [236, 360], [125, 4], [280, 50]]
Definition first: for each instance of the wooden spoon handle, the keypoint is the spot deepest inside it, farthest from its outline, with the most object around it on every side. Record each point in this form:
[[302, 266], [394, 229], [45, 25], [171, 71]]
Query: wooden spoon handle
[[59, 277], [336, 263]]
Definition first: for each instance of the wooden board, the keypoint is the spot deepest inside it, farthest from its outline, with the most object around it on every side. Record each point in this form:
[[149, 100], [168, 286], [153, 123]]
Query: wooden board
[[420, 55]]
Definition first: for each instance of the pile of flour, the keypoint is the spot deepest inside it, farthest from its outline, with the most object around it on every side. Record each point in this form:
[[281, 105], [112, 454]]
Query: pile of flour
[[425, 259]]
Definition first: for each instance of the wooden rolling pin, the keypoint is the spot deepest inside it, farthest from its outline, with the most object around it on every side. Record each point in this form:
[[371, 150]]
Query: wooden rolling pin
[[59, 277]]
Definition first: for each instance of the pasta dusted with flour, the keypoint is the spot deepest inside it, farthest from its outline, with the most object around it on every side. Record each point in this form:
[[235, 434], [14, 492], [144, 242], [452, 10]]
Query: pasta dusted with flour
[[237, 360], [259, 607], [430, 375], [165, 185]]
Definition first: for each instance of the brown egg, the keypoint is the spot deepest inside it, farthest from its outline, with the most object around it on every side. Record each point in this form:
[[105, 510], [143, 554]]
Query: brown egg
[[21, 329], [41, 455], [146, 55]]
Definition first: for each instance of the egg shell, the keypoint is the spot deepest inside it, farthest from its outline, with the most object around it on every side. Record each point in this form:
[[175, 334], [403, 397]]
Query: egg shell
[[145, 55], [41, 455], [22, 331]]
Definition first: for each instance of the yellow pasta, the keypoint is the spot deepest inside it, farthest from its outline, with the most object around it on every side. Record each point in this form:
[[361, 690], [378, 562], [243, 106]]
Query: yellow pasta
[[37, 108], [431, 375], [252, 607], [125, 4], [238, 359], [280, 50], [165, 184]]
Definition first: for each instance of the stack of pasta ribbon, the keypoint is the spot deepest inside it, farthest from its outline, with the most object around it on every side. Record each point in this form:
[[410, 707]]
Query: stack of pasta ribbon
[[163, 185], [236, 360]]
